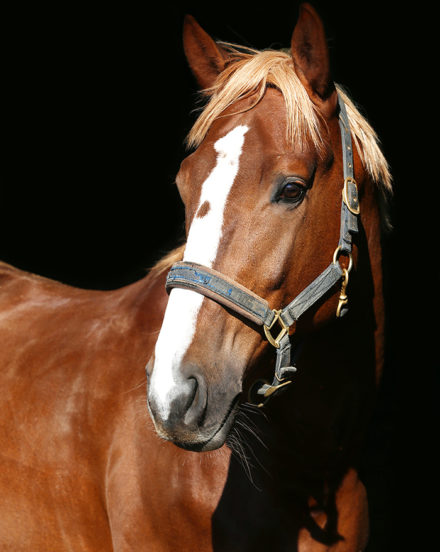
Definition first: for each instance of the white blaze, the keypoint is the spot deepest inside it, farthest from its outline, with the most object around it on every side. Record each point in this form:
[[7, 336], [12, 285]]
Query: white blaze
[[204, 236]]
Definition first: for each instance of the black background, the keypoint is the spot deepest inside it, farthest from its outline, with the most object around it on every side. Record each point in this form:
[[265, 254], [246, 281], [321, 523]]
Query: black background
[[98, 100]]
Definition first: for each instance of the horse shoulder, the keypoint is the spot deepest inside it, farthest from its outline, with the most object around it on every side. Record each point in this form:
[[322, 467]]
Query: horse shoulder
[[73, 403]]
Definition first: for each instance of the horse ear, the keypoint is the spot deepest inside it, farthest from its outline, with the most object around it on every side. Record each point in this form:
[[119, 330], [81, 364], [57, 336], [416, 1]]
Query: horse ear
[[205, 58], [311, 59]]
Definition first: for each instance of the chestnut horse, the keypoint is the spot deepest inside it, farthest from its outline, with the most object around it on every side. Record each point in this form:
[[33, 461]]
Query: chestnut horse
[[282, 195]]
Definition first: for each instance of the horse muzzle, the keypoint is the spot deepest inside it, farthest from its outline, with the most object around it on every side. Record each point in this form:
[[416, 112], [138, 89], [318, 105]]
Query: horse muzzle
[[188, 411]]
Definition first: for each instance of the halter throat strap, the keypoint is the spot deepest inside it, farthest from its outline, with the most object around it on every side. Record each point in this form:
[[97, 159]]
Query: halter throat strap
[[224, 290]]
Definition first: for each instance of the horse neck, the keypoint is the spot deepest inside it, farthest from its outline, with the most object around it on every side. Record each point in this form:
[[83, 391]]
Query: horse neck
[[143, 304]]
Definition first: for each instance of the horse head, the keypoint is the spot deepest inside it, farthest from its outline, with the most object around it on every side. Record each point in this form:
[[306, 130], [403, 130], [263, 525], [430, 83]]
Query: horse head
[[262, 193]]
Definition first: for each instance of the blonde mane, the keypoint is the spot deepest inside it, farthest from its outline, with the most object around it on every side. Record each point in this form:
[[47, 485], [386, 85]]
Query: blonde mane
[[248, 72]]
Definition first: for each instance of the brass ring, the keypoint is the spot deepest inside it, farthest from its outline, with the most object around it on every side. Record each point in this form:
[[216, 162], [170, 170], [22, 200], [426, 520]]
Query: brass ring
[[336, 256]]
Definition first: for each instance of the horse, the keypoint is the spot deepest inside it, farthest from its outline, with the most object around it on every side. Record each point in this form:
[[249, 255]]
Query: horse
[[221, 402]]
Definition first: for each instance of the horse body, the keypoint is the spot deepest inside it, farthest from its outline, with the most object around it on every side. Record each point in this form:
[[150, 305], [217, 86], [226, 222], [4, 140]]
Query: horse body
[[55, 395], [82, 466]]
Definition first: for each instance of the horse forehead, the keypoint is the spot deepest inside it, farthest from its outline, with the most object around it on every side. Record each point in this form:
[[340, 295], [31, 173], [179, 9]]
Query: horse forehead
[[266, 120], [270, 117]]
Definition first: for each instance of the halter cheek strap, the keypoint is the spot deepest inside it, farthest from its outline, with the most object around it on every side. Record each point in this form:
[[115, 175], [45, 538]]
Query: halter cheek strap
[[244, 302], [350, 208]]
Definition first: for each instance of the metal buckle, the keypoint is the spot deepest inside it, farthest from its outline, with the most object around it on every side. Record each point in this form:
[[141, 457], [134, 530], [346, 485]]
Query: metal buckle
[[284, 329], [350, 195]]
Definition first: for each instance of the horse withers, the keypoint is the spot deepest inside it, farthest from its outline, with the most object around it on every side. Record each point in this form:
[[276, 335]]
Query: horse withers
[[270, 343]]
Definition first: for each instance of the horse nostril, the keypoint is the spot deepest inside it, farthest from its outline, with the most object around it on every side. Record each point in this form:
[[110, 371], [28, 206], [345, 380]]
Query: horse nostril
[[196, 401], [189, 391]]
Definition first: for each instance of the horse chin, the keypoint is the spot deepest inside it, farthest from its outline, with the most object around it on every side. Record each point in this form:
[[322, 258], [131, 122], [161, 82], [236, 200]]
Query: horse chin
[[219, 438]]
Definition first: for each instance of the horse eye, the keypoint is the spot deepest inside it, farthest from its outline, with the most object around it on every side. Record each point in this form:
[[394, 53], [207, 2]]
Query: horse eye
[[292, 192]]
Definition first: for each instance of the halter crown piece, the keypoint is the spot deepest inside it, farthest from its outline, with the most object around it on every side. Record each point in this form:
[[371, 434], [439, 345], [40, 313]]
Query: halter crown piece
[[229, 293]]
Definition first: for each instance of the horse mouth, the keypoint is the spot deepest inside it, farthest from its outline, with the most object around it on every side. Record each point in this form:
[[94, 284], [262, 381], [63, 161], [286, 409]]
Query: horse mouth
[[217, 439]]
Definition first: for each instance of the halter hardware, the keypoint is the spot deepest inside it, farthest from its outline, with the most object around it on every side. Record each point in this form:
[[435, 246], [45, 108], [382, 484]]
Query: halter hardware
[[220, 288], [338, 251], [271, 389], [350, 195], [284, 329], [343, 298]]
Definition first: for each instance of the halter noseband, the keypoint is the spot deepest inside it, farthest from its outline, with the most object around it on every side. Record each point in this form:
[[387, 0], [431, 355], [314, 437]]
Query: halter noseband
[[229, 293]]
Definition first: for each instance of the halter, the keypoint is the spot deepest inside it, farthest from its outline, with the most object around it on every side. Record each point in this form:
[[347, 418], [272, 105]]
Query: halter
[[244, 302]]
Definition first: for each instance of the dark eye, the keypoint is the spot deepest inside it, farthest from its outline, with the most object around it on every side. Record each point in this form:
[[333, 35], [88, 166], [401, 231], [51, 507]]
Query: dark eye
[[291, 192]]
